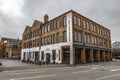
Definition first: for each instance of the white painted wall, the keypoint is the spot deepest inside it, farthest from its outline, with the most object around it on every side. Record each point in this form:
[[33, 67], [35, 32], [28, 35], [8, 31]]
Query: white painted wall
[[27, 50], [49, 48], [70, 35]]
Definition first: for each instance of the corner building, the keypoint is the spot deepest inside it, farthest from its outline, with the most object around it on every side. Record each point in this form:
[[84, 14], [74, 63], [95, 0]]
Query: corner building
[[68, 39]]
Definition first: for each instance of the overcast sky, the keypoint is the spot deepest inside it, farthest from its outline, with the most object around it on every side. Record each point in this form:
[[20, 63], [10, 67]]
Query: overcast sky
[[16, 14]]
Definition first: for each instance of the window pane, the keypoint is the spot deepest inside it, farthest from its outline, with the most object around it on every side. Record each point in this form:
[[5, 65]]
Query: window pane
[[54, 24], [88, 26], [64, 36], [79, 22], [57, 37], [42, 55], [58, 24], [48, 27], [85, 38], [75, 35], [75, 20], [48, 40], [84, 24], [53, 55], [45, 29], [59, 56], [64, 20], [88, 38]]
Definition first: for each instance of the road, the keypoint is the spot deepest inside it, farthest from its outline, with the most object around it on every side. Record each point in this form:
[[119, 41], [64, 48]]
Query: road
[[90, 72]]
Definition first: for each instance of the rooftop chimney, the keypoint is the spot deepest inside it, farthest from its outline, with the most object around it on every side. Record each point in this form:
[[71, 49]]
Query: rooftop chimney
[[46, 18]]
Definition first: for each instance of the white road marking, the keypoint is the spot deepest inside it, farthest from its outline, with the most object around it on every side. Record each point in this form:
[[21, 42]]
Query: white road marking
[[107, 77], [25, 73], [115, 70], [59, 68], [33, 77], [26, 70], [83, 71]]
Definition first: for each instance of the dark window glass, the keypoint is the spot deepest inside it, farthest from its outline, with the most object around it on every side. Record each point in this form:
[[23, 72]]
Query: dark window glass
[[75, 20], [80, 36], [59, 55], [64, 21], [79, 21], [64, 36], [48, 40], [75, 36], [57, 37], [53, 54], [42, 55]]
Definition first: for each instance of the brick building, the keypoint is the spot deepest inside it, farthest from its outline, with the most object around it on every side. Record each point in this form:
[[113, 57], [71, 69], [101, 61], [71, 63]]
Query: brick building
[[69, 39], [12, 48]]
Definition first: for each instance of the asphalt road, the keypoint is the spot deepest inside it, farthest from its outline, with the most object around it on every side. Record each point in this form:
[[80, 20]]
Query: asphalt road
[[94, 71], [89, 72]]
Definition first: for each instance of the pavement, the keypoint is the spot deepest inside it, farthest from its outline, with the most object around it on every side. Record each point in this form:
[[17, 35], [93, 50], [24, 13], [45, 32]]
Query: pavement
[[95, 71], [19, 65]]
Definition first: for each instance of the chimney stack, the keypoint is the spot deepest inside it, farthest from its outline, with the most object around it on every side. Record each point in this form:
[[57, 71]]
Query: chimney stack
[[46, 18]]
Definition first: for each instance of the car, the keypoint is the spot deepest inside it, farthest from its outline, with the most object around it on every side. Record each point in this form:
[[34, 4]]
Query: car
[[117, 57]]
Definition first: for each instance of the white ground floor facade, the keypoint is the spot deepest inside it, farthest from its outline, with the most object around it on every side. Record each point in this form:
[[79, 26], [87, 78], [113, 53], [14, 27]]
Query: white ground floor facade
[[51, 53]]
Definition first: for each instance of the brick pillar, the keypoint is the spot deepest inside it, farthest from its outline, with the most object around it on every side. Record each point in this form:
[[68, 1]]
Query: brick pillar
[[108, 56], [103, 55], [98, 56], [91, 56], [83, 58]]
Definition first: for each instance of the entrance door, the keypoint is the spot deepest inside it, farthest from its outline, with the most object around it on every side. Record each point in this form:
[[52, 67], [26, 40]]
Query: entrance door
[[36, 56], [48, 57], [77, 56], [66, 56], [24, 55], [87, 53]]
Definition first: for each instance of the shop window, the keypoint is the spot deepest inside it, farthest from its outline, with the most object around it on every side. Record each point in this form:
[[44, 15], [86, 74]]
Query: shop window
[[53, 54], [59, 56], [42, 55]]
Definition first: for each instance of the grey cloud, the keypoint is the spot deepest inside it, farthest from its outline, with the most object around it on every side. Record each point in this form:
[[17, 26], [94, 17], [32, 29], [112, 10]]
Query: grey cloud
[[105, 12]]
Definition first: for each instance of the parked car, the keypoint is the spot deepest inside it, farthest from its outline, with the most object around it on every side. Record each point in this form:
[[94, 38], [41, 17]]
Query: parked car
[[117, 57]]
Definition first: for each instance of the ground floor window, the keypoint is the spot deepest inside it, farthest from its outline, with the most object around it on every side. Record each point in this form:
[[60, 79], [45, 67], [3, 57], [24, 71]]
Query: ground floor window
[[53, 54], [42, 55], [59, 56]]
